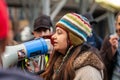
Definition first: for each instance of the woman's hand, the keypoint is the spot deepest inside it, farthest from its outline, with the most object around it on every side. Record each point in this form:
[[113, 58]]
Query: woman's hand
[[34, 64], [36, 67], [114, 42]]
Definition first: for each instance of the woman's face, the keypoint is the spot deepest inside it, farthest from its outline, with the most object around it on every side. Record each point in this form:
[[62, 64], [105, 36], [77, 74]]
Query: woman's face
[[118, 26], [60, 40]]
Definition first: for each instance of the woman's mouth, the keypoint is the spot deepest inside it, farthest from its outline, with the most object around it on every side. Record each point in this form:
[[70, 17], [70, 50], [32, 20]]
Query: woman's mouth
[[54, 43]]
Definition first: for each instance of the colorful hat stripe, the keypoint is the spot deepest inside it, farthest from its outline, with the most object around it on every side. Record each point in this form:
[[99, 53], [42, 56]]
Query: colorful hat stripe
[[73, 28], [81, 17], [77, 22], [74, 24], [81, 22]]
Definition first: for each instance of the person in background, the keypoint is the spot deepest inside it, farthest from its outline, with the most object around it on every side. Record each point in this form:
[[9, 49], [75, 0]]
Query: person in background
[[93, 40], [116, 70], [107, 52], [42, 28], [72, 58], [110, 52], [9, 74]]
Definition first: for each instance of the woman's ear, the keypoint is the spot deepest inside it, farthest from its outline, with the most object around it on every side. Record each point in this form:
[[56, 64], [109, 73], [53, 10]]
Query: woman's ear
[[69, 42]]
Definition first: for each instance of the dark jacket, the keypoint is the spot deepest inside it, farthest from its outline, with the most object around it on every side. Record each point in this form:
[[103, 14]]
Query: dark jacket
[[108, 59], [95, 41]]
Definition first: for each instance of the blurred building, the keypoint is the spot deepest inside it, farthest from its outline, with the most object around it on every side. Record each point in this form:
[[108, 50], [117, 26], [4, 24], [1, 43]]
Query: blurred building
[[26, 11]]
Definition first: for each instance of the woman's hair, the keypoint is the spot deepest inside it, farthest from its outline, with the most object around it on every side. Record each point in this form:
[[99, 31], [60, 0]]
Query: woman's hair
[[67, 72], [106, 51]]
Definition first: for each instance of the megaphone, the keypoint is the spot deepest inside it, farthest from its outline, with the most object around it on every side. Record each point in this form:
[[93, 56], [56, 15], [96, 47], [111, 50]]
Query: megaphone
[[28, 49]]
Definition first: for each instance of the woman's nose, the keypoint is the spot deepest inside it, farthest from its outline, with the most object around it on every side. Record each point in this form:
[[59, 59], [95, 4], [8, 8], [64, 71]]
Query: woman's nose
[[53, 36]]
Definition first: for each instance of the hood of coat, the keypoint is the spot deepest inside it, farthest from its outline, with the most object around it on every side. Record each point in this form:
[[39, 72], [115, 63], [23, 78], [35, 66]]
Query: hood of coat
[[88, 58]]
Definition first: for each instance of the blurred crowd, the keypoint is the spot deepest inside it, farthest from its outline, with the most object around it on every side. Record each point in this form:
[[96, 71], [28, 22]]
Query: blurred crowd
[[78, 53]]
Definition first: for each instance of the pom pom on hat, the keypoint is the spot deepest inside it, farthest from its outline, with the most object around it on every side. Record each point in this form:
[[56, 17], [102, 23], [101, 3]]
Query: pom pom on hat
[[4, 20], [77, 26]]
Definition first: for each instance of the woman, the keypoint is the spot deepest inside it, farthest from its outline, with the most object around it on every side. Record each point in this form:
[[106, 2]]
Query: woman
[[108, 53], [71, 58]]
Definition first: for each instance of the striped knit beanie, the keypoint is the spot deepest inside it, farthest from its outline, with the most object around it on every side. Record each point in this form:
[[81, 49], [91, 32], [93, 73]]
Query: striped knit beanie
[[77, 26]]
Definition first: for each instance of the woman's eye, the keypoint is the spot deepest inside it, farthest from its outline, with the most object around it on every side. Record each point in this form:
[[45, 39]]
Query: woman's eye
[[59, 31]]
